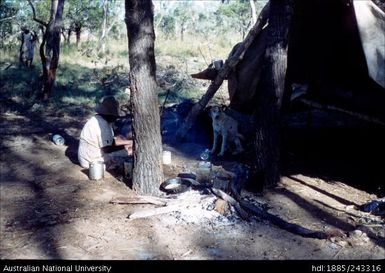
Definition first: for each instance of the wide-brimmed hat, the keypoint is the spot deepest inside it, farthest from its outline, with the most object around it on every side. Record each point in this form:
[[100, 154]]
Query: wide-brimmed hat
[[108, 106]]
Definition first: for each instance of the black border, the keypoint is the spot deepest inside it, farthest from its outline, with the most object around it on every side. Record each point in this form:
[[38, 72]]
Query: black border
[[212, 266]]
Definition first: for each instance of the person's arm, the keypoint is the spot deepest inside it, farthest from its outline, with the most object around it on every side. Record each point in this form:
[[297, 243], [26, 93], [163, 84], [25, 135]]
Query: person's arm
[[33, 36], [120, 140], [119, 143], [111, 148], [126, 143]]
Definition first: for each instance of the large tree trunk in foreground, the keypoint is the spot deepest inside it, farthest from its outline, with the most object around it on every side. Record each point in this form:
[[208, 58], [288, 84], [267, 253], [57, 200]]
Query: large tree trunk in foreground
[[270, 94], [148, 173]]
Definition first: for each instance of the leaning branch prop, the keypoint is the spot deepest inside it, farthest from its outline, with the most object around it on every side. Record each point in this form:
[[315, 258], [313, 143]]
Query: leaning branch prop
[[230, 63]]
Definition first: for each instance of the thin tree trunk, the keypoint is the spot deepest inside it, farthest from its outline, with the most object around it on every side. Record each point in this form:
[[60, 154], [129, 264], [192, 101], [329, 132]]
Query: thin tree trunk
[[66, 35], [69, 36], [148, 173], [102, 40], [78, 31], [50, 46], [270, 94], [161, 17], [253, 11]]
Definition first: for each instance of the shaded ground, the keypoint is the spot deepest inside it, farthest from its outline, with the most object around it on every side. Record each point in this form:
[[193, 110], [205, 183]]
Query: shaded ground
[[50, 210]]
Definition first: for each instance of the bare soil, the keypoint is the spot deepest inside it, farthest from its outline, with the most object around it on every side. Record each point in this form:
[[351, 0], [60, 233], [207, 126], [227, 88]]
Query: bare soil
[[51, 210]]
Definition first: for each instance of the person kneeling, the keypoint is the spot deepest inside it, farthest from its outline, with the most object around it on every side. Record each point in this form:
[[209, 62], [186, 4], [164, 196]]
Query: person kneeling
[[97, 139]]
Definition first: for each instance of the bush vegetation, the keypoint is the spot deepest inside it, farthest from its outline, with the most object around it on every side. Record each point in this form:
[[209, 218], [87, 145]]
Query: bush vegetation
[[85, 73]]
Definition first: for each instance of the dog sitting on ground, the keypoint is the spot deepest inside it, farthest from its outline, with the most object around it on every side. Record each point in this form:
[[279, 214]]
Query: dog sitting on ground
[[227, 127]]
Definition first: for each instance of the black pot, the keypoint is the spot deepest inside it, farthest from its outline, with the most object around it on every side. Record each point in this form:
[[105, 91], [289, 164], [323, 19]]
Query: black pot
[[175, 185]]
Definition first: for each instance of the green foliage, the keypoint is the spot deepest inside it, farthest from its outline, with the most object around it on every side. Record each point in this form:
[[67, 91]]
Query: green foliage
[[235, 15], [82, 14], [8, 11], [167, 25], [84, 75]]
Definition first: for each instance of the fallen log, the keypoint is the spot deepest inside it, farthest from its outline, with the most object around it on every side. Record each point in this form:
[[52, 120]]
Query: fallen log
[[221, 194], [230, 63], [235, 187], [171, 206], [156, 211], [293, 228], [139, 199]]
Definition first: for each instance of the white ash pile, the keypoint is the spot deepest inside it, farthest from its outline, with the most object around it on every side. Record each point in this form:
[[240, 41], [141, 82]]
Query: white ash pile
[[196, 208]]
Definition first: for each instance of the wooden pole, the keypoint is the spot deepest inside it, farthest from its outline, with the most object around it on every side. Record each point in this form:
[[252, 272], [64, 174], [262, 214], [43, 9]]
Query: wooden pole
[[338, 109]]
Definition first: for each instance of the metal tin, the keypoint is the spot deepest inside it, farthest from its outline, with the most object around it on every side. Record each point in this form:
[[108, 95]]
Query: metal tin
[[166, 157], [217, 64], [205, 155], [96, 170], [58, 139]]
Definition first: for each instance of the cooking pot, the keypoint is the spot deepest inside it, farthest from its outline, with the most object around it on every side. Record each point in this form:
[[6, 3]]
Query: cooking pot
[[175, 185]]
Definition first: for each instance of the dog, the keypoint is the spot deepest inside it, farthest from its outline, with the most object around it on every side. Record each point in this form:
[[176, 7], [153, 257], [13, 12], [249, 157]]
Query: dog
[[227, 127]]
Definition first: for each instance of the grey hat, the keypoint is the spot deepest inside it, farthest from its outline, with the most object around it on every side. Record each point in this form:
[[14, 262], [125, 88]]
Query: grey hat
[[108, 106]]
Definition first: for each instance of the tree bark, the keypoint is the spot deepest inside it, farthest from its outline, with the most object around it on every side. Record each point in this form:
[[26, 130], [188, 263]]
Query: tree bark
[[270, 94], [78, 31], [52, 46], [147, 173], [69, 32]]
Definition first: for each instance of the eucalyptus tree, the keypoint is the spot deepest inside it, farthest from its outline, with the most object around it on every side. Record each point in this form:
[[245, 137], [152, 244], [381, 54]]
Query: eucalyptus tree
[[50, 45], [147, 173], [270, 93]]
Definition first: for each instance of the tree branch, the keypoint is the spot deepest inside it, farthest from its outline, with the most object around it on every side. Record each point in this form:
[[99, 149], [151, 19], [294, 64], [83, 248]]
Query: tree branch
[[7, 18], [34, 15]]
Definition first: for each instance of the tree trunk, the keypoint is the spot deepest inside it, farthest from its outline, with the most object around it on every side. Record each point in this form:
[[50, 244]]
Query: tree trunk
[[102, 40], [50, 57], [182, 30], [148, 173], [69, 32], [66, 33], [253, 11], [270, 93], [21, 48], [78, 31]]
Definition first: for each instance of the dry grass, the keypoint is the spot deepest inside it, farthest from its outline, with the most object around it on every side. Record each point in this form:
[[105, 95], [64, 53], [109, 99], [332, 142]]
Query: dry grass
[[82, 70]]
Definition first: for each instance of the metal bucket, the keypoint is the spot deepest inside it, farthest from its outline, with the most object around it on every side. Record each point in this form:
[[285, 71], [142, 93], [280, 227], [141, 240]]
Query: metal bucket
[[96, 170]]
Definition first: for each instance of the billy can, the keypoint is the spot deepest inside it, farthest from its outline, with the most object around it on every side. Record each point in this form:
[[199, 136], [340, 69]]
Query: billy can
[[96, 170]]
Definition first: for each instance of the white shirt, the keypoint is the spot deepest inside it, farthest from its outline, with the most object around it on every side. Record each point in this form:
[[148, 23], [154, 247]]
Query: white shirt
[[96, 134]]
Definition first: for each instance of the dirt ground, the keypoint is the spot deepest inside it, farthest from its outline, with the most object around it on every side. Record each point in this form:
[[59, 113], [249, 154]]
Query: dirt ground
[[51, 210]]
